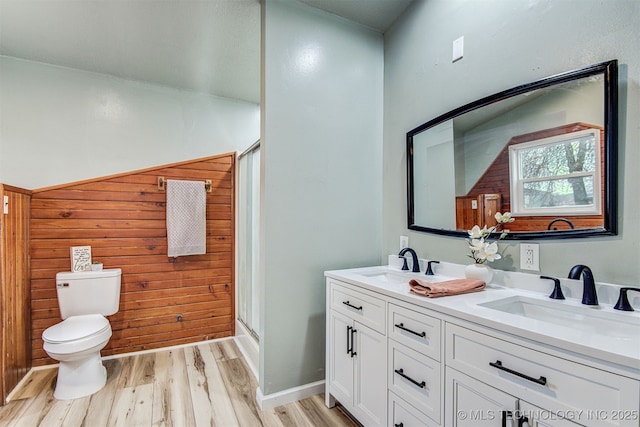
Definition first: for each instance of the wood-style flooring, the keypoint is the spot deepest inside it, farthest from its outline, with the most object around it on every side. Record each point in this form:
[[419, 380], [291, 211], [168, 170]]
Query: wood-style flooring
[[204, 385]]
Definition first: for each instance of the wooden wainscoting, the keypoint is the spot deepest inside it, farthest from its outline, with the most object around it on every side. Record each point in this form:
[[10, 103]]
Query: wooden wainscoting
[[164, 301], [15, 316]]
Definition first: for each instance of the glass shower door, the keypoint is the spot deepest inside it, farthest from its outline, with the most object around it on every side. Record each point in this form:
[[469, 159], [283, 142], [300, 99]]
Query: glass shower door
[[248, 222]]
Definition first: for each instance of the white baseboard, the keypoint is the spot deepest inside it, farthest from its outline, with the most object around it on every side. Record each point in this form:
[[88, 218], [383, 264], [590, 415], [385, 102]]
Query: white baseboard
[[287, 396]]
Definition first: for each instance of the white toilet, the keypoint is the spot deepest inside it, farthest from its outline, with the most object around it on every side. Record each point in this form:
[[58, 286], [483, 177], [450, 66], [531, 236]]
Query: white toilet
[[84, 299]]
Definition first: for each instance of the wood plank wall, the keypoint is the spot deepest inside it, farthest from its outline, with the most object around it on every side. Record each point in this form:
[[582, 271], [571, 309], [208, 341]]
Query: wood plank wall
[[496, 180], [164, 301], [15, 314]]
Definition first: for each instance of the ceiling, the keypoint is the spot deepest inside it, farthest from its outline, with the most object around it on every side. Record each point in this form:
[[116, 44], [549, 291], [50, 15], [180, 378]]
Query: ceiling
[[210, 46], [375, 14]]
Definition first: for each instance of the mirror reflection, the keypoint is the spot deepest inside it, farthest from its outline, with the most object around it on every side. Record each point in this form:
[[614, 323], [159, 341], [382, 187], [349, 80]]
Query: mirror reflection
[[545, 151]]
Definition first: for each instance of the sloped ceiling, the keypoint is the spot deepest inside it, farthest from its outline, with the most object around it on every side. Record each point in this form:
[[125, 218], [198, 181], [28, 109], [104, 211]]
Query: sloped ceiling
[[210, 46]]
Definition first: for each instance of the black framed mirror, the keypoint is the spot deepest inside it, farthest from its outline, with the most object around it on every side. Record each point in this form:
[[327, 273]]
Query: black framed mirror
[[546, 151]]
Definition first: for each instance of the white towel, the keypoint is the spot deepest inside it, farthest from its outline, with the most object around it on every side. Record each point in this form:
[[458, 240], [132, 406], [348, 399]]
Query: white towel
[[186, 218]]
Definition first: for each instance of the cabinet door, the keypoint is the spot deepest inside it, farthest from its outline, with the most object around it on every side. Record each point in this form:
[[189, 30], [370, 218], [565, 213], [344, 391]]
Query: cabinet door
[[340, 359], [474, 404], [532, 416], [370, 350]]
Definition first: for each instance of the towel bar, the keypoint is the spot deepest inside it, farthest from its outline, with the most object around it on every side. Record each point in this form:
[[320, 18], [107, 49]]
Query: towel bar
[[162, 184]]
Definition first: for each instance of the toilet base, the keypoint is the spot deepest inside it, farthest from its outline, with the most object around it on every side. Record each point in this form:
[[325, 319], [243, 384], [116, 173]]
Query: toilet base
[[80, 377]]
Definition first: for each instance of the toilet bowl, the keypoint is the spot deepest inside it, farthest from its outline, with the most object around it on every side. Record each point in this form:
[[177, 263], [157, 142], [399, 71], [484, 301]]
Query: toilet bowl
[[76, 343], [84, 300]]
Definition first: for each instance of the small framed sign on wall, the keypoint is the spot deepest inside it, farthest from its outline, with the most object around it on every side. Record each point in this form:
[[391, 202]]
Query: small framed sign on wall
[[80, 258]]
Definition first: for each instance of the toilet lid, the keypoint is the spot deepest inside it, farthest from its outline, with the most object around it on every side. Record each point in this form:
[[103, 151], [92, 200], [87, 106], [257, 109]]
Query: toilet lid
[[75, 327]]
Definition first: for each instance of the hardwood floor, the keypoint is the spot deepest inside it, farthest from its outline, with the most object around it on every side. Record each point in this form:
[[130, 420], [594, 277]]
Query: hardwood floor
[[205, 385]]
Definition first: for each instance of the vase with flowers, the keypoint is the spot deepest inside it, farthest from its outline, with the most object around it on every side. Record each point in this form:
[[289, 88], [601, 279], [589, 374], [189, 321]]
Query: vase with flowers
[[483, 249]]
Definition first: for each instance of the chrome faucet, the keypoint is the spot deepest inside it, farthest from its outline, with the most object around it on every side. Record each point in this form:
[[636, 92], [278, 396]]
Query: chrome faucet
[[414, 256], [589, 295]]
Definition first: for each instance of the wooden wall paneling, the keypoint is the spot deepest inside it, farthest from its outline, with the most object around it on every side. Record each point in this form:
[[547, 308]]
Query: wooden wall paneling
[[466, 216], [15, 337], [164, 301]]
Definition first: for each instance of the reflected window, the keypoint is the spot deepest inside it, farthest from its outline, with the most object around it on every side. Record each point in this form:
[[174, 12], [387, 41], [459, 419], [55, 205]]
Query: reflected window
[[557, 176]]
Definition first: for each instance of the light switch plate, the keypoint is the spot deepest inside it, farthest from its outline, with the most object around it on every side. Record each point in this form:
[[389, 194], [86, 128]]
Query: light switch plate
[[458, 49], [5, 205], [404, 242]]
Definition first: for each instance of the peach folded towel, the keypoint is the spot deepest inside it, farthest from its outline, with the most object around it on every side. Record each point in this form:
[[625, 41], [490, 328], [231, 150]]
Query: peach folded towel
[[448, 287]]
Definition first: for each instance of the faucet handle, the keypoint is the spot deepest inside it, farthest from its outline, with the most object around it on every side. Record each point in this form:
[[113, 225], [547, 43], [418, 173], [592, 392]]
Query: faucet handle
[[429, 271], [557, 290], [404, 262], [623, 301]]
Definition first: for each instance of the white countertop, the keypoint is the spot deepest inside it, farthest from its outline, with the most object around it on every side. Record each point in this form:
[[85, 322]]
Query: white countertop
[[621, 347]]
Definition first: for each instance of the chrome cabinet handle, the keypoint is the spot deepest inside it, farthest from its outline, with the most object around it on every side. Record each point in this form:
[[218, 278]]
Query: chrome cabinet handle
[[406, 377], [498, 364], [420, 334]]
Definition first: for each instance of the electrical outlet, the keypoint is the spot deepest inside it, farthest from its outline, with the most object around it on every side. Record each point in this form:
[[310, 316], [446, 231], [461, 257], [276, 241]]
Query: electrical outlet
[[530, 256], [404, 242]]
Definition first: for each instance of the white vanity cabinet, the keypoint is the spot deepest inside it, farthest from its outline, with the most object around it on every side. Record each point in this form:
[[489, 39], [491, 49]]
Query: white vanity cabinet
[[399, 360], [384, 359], [562, 388], [356, 355]]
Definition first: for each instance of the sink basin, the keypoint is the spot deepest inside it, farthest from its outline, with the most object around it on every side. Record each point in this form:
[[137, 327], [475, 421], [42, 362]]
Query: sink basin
[[587, 319], [388, 277]]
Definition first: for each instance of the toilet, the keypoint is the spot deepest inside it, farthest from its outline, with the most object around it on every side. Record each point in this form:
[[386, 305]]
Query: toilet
[[84, 299]]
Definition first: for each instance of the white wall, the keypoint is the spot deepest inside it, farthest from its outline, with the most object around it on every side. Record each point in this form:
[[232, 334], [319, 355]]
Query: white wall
[[321, 147], [508, 43], [60, 125]]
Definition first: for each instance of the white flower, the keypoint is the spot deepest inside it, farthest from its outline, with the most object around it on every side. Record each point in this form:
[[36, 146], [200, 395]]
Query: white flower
[[476, 245], [481, 250], [504, 218], [476, 232], [490, 252]]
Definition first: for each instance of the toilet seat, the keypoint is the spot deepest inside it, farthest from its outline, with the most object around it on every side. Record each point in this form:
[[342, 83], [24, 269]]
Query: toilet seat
[[76, 333]]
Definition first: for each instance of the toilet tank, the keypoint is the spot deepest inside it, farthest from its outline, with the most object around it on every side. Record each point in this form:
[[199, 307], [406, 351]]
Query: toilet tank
[[89, 292]]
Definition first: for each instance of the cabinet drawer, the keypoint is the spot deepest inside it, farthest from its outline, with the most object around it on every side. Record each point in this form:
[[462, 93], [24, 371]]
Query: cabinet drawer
[[415, 378], [363, 308], [405, 415], [415, 330], [553, 383]]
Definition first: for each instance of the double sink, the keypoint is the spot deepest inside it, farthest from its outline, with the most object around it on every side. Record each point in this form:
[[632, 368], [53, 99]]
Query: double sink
[[598, 326]]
